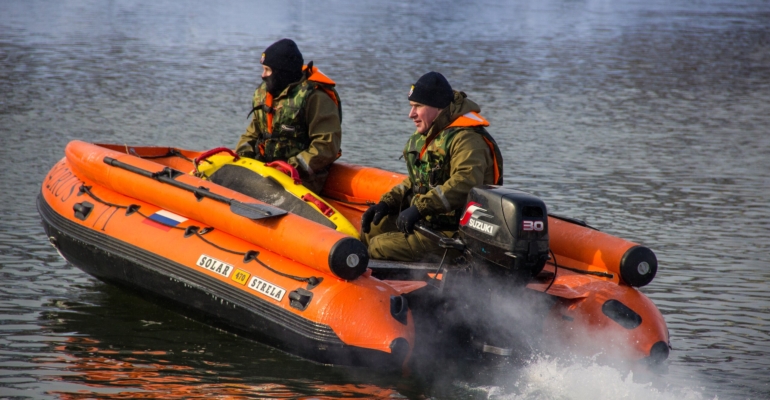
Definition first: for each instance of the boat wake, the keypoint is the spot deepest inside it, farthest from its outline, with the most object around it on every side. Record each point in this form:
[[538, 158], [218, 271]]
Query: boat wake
[[546, 378]]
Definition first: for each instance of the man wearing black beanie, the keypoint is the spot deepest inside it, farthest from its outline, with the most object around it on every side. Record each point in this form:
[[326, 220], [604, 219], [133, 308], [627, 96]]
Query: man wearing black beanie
[[450, 153], [297, 116]]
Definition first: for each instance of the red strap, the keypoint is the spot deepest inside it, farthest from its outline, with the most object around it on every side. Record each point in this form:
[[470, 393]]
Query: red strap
[[287, 169], [325, 209], [269, 103], [211, 152]]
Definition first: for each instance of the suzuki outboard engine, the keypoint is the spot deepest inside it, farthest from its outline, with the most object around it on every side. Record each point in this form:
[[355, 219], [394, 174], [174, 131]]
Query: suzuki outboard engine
[[505, 233]]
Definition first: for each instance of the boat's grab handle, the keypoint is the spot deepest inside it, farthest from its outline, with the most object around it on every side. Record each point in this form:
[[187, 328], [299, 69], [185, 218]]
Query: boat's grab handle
[[168, 175], [287, 169], [209, 153], [323, 207]]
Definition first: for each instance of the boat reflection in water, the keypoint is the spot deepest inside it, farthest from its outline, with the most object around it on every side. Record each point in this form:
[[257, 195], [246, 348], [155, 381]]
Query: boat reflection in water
[[171, 357]]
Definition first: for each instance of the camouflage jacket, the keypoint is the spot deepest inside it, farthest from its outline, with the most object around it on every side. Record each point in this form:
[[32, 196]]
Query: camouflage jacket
[[453, 156], [302, 125]]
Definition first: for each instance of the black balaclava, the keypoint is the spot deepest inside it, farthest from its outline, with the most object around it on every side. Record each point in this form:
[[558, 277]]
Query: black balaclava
[[284, 58]]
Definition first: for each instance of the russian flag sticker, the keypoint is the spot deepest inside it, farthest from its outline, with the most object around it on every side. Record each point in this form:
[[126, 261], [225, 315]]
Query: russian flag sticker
[[164, 220]]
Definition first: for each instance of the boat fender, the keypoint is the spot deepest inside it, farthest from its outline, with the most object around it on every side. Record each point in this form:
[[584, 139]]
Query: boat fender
[[638, 266], [348, 258]]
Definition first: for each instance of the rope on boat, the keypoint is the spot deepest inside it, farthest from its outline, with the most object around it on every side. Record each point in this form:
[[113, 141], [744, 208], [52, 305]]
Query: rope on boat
[[579, 271], [555, 270], [248, 256]]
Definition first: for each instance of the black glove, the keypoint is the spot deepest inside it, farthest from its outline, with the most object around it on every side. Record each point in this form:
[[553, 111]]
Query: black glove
[[374, 214], [407, 219]]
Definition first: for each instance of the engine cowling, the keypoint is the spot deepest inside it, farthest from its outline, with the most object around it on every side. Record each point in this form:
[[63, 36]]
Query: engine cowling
[[505, 231]]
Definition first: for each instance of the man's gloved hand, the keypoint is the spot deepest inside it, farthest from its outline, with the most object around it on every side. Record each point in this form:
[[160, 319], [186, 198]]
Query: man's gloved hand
[[407, 219], [374, 214]]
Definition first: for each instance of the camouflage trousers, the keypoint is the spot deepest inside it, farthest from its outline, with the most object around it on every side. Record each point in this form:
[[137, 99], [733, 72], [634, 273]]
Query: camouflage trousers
[[385, 242]]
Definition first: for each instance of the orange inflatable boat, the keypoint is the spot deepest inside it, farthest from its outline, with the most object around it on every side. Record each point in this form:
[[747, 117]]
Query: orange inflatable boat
[[148, 219]]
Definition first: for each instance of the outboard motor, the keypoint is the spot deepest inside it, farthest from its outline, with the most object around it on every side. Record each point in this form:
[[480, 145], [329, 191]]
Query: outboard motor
[[505, 238], [505, 233]]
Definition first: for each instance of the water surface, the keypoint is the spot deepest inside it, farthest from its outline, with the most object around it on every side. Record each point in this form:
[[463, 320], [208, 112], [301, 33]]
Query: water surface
[[648, 119]]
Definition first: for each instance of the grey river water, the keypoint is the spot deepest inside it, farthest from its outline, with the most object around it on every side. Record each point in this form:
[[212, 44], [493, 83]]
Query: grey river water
[[649, 119]]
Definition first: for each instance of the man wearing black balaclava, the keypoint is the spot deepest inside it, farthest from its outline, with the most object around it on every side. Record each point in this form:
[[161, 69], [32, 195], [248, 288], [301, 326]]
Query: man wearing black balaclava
[[281, 65], [296, 116]]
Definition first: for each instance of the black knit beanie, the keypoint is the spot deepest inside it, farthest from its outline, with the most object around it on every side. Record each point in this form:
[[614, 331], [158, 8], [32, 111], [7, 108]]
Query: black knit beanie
[[283, 55], [432, 89]]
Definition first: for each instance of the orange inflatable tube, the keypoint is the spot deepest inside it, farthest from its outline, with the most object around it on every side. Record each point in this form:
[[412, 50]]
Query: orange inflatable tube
[[582, 248], [355, 187], [338, 321], [291, 236]]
